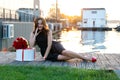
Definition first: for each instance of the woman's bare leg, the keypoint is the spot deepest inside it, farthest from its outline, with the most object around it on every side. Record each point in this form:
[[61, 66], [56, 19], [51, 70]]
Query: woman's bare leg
[[74, 55], [63, 57]]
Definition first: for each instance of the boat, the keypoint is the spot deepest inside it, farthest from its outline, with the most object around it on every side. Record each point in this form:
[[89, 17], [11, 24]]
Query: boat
[[117, 28]]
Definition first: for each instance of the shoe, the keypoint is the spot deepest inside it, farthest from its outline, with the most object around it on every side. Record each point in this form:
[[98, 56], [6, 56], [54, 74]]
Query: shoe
[[94, 59]]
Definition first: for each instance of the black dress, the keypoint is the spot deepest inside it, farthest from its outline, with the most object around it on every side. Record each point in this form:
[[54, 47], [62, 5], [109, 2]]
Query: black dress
[[56, 48]]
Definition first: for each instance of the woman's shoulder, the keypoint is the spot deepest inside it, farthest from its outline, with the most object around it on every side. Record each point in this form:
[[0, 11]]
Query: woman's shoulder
[[50, 32]]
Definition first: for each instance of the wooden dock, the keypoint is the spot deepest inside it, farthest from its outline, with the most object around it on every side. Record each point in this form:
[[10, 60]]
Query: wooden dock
[[95, 29], [104, 61]]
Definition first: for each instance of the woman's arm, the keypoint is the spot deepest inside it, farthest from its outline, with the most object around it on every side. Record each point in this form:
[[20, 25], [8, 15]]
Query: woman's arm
[[49, 44], [33, 37]]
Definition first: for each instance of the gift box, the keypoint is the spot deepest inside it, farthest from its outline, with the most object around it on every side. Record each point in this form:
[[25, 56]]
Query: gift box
[[25, 54]]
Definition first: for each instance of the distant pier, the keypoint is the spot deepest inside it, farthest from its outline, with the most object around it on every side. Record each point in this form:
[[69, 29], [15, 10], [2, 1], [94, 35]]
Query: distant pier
[[95, 29]]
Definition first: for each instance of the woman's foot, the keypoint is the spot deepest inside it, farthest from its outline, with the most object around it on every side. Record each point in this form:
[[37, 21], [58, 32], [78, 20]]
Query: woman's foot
[[93, 59]]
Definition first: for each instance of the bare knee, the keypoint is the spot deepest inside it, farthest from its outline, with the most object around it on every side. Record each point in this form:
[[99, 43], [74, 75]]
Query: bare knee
[[65, 52]]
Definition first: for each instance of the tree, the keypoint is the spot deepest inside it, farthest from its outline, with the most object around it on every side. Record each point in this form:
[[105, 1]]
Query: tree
[[52, 13], [52, 16]]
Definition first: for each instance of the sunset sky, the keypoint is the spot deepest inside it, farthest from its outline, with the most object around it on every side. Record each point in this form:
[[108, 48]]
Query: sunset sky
[[69, 7]]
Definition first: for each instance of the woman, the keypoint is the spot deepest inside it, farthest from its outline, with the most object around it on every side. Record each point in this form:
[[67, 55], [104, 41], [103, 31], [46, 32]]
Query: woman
[[51, 50]]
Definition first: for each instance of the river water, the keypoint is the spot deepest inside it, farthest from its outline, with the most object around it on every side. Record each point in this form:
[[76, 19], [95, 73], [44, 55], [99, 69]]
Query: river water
[[91, 41]]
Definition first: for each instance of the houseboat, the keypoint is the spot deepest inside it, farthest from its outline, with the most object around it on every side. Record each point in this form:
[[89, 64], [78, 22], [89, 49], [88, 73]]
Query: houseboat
[[94, 19]]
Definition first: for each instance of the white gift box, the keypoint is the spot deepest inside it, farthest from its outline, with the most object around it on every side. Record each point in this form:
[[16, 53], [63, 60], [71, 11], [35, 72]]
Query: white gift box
[[25, 54]]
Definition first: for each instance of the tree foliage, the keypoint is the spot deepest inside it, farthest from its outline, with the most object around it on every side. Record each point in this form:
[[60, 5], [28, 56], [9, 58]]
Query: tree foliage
[[52, 15]]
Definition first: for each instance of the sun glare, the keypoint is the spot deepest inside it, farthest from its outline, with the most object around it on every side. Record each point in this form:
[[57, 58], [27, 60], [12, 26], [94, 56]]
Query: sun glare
[[69, 7], [70, 12]]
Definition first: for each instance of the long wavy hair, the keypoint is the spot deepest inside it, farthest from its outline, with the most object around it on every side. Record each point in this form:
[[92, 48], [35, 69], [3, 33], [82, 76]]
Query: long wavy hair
[[45, 26]]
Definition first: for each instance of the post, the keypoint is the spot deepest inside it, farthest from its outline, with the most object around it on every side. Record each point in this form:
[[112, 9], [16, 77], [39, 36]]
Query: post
[[56, 15], [3, 13], [56, 9], [1, 35], [36, 3]]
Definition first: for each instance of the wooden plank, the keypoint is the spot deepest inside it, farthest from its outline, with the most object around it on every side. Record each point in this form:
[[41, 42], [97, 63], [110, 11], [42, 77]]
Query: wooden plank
[[65, 64], [91, 65], [47, 63], [82, 65], [114, 60], [98, 63], [104, 61], [116, 57], [74, 65], [73, 62], [57, 63], [35, 63], [18, 63], [111, 61]]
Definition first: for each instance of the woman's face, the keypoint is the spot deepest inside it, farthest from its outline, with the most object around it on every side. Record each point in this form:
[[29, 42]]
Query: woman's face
[[40, 25]]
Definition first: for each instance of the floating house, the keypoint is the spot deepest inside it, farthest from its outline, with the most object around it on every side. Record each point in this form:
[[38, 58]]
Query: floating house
[[93, 18]]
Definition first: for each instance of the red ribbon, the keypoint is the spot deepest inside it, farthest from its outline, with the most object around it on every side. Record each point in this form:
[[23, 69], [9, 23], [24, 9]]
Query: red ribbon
[[34, 53], [22, 54]]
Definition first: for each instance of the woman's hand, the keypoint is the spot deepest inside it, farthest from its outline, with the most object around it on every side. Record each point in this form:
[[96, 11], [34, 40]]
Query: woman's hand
[[36, 32], [42, 59], [33, 37]]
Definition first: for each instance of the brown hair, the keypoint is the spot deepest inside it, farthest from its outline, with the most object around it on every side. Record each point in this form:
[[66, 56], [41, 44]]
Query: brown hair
[[45, 26]]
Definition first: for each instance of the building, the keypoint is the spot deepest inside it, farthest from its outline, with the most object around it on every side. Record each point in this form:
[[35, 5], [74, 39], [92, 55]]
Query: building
[[28, 14], [93, 17], [8, 15]]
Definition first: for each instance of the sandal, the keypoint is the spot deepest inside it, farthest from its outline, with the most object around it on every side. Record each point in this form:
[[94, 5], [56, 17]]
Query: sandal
[[94, 59]]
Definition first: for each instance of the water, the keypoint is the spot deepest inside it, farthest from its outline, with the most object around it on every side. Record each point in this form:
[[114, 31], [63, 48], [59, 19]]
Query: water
[[91, 41]]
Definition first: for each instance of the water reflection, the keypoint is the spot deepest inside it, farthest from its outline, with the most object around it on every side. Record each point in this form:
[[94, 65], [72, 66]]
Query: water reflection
[[90, 41], [93, 38]]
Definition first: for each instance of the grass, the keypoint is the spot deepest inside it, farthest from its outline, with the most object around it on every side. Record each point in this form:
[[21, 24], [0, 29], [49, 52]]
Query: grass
[[8, 72]]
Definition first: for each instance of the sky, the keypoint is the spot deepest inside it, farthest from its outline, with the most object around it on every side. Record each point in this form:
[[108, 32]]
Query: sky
[[68, 7]]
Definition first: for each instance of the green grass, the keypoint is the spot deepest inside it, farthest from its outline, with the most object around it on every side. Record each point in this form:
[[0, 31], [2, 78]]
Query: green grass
[[53, 73]]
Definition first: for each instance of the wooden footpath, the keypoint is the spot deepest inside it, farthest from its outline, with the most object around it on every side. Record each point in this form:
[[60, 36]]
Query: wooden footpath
[[104, 61]]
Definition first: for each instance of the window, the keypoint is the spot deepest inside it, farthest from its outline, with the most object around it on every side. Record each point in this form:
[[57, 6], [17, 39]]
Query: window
[[94, 12], [102, 18], [85, 22]]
